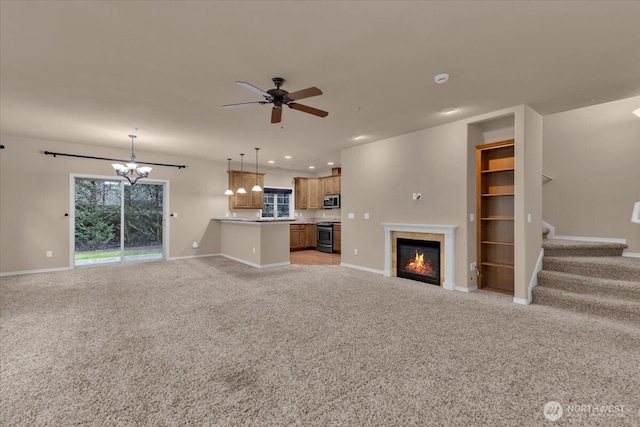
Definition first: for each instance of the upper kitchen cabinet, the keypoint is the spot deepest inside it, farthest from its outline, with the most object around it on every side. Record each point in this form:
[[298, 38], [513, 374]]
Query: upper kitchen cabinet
[[310, 191], [331, 185], [314, 193], [301, 193], [251, 199]]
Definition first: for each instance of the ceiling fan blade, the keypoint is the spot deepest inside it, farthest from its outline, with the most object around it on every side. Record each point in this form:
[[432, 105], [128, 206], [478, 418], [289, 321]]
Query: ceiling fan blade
[[276, 115], [307, 109], [252, 88], [243, 104], [304, 93]]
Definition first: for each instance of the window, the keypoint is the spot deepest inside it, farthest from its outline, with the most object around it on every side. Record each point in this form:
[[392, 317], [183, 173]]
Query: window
[[277, 203]]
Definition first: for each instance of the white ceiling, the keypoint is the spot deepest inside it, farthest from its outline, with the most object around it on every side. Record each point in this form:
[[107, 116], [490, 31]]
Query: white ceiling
[[92, 72]]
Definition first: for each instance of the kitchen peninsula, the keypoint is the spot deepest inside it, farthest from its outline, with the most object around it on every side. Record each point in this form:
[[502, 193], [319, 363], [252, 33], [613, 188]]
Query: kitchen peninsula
[[259, 243]]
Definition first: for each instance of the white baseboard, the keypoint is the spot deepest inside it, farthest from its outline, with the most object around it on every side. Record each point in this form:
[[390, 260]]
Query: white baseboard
[[192, 257], [44, 270], [470, 289], [253, 264], [631, 254], [521, 301], [593, 239], [359, 267]]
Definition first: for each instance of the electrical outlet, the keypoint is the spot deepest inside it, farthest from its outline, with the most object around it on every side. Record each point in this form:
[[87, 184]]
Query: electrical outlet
[[472, 217], [254, 250], [195, 245], [473, 266], [355, 252], [49, 254], [366, 215]]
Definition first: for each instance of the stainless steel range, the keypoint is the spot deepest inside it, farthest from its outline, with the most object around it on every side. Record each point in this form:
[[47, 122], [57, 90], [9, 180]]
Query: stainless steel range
[[325, 236]]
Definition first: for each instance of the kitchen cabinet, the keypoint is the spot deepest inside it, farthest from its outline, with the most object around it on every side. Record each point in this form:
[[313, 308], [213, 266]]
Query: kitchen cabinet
[[294, 237], [337, 238], [314, 193], [495, 209], [301, 193], [311, 236], [310, 191], [302, 236], [251, 199], [331, 185]]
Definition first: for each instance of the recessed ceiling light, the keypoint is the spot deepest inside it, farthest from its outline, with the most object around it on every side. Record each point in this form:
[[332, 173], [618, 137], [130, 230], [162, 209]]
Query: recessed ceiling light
[[358, 138], [637, 112], [287, 157], [330, 163], [448, 110], [271, 161], [312, 167], [441, 78]]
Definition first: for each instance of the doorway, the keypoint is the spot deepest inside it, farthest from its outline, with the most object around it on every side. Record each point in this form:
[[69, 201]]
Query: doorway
[[115, 221]]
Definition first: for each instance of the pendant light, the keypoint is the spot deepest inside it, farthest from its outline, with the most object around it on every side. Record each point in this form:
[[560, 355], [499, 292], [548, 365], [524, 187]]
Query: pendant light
[[241, 190], [256, 187], [229, 191], [131, 167]]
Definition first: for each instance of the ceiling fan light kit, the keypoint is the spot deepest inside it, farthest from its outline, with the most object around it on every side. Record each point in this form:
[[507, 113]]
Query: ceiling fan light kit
[[279, 97]]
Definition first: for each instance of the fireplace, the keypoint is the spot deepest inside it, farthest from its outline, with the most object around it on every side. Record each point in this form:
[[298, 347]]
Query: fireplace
[[418, 260], [445, 234]]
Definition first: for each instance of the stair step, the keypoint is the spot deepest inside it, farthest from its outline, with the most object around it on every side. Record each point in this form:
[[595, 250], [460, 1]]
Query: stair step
[[614, 268], [575, 248], [610, 308], [589, 285]]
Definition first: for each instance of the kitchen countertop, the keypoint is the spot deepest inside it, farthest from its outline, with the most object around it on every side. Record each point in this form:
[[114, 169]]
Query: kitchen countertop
[[291, 221], [253, 220]]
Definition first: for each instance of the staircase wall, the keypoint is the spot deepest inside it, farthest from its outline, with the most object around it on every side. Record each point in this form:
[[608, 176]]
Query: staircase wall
[[592, 155]]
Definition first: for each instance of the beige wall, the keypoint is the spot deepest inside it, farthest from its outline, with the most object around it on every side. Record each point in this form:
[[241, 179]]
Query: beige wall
[[379, 178], [593, 155], [35, 195]]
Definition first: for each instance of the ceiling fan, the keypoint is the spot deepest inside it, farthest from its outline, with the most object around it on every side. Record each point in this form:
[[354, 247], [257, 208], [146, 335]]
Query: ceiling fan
[[279, 97]]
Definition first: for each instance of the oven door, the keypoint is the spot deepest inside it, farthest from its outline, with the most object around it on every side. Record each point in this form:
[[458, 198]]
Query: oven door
[[325, 238]]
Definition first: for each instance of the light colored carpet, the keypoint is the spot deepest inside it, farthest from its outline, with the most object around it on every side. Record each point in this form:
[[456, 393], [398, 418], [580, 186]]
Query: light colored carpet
[[214, 342], [590, 278]]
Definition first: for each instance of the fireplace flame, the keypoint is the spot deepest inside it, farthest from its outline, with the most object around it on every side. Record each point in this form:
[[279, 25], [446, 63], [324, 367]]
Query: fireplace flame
[[419, 266]]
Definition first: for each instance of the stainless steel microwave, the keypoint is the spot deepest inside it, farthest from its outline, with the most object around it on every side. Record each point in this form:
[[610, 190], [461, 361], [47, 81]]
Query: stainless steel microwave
[[331, 202]]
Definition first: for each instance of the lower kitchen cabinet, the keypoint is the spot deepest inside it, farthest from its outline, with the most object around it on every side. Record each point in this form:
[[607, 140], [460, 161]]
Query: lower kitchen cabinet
[[302, 236], [337, 238]]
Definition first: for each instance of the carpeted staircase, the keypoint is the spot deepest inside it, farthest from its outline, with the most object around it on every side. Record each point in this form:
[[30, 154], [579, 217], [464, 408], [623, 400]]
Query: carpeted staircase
[[589, 277]]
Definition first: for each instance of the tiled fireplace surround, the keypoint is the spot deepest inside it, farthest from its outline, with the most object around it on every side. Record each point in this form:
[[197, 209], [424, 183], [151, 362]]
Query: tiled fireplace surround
[[445, 234]]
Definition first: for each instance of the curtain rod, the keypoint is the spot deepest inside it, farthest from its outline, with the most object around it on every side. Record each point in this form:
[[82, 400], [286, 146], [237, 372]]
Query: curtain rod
[[49, 153]]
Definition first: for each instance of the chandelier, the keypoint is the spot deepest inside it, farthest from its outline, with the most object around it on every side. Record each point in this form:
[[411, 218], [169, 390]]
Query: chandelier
[[127, 170]]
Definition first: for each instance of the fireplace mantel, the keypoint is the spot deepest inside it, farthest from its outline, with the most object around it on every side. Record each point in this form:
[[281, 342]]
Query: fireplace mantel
[[449, 232]]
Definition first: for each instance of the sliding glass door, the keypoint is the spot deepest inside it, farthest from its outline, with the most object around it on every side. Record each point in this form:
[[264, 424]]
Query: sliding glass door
[[116, 221], [142, 221]]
